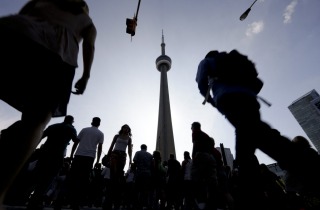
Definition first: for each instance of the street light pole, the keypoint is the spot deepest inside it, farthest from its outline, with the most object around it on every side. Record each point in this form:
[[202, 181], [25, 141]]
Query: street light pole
[[245, 14]]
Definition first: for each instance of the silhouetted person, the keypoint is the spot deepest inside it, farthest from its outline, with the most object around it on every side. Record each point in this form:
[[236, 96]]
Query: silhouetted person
[[83, 154], [95, 192], [39, 53], [158, 181], [238, 103], [143, 163], [130, 193], [174, 180], [117, 156], [224, 196], [51, 159], [274, 189], [117, 151], [305, 182], [187, 183], [204, 168]]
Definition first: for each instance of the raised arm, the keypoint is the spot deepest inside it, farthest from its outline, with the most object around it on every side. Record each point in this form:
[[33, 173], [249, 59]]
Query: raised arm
[[88, 50]]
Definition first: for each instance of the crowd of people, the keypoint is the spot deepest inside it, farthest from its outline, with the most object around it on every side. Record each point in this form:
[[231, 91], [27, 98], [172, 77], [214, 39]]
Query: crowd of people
[[39, 54], [201, 181]]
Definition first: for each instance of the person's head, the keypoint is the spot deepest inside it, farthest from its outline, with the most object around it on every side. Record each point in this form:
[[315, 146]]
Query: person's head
[[74, 6], [143, 147], [195, 126], [125, 129], [186, 155], [212, 54], [69, 119], [96, 121], [171, 156], [301, 142], [214, 142], [156, 155]]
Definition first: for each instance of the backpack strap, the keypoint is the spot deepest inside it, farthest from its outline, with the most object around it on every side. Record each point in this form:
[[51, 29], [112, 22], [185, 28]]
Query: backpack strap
[[264, 101]]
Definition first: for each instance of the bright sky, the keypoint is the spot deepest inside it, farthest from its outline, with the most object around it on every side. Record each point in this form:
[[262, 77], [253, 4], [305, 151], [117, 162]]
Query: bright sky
[[281, 37]]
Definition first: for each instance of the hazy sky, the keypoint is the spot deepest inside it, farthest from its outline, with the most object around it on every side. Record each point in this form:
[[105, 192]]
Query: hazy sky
[[281, 37]]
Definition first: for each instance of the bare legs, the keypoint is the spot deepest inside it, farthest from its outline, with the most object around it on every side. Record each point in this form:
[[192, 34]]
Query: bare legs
[[17, 143]]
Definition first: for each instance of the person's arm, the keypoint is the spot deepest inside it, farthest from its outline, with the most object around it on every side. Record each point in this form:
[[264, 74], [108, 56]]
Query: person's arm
[[202, 77], [203, 80], [74, 147], [112, 145], [74, 136], [183, 166], [99, 151], [130, 151], [75, 139], [88, 49]]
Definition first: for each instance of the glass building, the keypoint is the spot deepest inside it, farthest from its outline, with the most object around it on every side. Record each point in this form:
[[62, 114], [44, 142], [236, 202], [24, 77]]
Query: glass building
[[306, 110]]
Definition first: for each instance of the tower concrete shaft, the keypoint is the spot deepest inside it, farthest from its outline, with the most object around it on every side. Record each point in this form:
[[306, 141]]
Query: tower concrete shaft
[[165, 140]]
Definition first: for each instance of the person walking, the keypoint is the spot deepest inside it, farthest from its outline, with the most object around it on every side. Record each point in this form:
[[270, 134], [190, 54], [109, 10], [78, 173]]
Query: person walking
[[51, 159], [204, 169], [187, 183], [83, 154], [237, 100], [117, 157], [39, 53], [298, 187], [143, 162], [158, 178], [174, 180], [117, 151]]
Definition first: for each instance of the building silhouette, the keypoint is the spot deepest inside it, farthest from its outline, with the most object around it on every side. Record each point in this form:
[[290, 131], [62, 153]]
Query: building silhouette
[[165, 141], [227, 156], [306, 110]]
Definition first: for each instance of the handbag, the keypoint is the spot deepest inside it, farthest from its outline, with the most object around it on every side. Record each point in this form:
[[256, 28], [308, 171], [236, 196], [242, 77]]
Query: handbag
[[106, 160]]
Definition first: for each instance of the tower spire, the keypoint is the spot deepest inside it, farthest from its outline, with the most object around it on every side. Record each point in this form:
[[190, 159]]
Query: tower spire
[[165, 141], [163, 45]]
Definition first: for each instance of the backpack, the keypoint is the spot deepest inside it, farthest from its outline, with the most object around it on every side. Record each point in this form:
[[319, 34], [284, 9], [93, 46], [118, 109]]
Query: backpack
[[235, 68]]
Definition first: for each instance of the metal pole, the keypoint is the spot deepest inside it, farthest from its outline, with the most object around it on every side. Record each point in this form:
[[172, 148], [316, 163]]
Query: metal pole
[[136, 17], [253, 3]]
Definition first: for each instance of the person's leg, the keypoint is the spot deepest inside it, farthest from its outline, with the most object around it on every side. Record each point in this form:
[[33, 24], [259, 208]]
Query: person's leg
[[18, 143], [242, 111], [45, 172], [79, 177], [252, 133], [75, 181]]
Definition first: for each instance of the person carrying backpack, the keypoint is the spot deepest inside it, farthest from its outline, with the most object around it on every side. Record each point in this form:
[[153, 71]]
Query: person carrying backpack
[[235, 85]]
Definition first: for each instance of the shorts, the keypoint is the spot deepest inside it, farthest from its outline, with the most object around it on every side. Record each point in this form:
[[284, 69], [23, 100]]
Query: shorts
[[33, 76]]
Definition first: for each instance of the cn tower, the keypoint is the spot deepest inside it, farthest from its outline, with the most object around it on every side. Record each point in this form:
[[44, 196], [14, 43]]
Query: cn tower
[[165, 141]]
